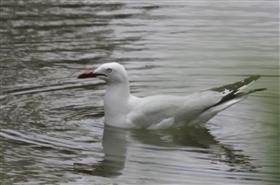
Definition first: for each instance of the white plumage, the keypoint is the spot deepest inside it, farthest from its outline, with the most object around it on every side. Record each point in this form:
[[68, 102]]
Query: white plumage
[[163, 111]]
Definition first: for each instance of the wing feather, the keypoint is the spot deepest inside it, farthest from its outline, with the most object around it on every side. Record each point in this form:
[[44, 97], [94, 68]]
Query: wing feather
[[154, 109]]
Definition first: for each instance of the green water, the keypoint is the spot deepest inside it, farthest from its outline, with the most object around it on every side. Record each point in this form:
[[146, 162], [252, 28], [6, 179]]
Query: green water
[[51, 123]]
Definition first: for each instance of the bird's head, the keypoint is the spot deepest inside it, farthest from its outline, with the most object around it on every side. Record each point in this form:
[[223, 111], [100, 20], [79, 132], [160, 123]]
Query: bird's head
[[109, 72]]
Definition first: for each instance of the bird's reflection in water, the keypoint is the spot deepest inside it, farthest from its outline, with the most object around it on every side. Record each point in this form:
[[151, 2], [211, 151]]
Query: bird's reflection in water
[[115, 142], [194, 139], [114, 147]]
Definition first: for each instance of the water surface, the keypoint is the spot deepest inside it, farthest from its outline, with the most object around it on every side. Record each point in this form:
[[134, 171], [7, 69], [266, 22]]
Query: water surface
[[51, 124]]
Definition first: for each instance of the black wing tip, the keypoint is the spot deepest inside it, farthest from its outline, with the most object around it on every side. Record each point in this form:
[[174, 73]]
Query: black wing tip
[[256, 90], [253, 77], [234, 87], [250, 79]]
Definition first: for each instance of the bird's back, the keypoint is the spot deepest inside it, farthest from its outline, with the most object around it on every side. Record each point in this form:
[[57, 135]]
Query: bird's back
[[165, 110]]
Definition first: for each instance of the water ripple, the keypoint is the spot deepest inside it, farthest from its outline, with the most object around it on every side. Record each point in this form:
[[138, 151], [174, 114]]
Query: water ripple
[[51, 124]]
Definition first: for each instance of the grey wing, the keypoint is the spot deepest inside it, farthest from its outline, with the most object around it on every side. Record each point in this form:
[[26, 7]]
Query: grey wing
[[169, 109], [217, 99], [196, 104], [153, 110]]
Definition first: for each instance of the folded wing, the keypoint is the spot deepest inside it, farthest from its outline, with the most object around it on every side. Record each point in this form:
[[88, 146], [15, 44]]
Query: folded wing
[[166, 111]]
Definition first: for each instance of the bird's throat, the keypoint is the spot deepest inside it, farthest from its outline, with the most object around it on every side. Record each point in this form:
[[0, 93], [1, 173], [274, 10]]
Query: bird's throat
[[116, 100]]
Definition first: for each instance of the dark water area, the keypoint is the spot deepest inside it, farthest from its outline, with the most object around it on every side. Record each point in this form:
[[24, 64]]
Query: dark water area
[[51, 123]]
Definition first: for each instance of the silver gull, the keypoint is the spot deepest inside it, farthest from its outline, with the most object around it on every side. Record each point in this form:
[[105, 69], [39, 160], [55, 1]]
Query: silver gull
[[122, 109]]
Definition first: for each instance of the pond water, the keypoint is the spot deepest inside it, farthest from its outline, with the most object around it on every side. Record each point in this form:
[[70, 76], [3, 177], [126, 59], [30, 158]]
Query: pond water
[[51, 123]]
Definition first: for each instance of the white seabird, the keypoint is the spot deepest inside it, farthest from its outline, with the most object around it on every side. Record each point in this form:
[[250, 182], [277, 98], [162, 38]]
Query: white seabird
[[125, 110]]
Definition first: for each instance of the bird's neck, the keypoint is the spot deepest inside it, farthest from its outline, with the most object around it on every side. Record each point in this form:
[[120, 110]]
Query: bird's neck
[[116, 100], [118, 91]]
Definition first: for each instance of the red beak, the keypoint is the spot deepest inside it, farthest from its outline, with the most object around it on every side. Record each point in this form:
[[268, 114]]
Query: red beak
[[87, 74]]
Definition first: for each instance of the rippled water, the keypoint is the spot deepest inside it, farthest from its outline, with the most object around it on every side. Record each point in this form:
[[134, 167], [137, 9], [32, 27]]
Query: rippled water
[[51, 124]]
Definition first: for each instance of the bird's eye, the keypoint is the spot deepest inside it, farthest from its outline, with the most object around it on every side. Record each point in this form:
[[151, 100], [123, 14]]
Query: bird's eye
[[109, 70]]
